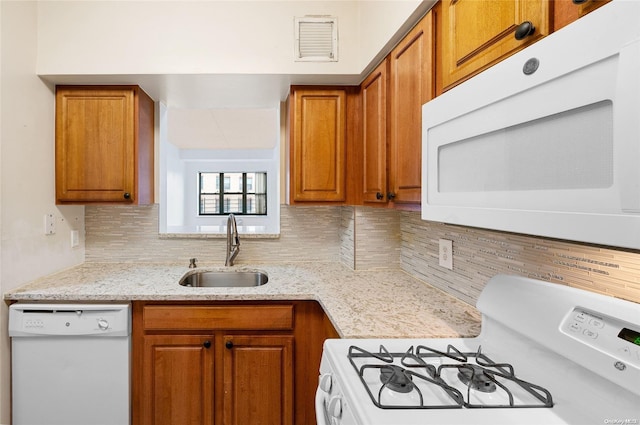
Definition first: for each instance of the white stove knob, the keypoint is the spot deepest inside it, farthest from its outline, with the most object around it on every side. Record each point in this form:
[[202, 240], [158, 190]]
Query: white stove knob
[[335, 406], [326, 380]]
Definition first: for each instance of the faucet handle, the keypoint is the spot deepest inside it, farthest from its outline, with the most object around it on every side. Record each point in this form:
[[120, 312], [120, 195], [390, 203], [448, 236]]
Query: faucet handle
[[192, 263]]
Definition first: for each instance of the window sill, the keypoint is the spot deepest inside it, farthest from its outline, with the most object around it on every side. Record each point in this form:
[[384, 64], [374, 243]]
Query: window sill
[[218, 232]]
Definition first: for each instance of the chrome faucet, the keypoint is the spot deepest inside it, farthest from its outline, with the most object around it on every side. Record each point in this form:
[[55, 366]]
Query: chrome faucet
[[233, 240]]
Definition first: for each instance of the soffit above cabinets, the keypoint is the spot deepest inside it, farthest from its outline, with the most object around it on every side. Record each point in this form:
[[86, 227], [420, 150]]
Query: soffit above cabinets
[[212, 90], [206, 61]]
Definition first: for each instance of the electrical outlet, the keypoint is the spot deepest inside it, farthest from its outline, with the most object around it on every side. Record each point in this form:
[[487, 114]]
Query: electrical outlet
[[49, 224], [75, 238], [445, 254]]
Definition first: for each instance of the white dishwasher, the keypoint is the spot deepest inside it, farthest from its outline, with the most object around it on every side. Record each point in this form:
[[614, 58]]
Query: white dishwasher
[[70, 364]]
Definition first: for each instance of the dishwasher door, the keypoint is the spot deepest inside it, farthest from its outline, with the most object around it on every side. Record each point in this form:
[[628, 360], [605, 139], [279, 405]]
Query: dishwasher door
[[70, 364]]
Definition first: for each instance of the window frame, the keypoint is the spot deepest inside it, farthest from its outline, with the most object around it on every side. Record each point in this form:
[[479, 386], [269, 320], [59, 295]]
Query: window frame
[[224, 189]]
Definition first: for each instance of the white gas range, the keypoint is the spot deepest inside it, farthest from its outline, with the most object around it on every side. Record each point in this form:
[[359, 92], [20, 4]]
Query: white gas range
[[547, 354]]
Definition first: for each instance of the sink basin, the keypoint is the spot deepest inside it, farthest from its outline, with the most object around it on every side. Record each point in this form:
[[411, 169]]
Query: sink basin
[[234, 279]]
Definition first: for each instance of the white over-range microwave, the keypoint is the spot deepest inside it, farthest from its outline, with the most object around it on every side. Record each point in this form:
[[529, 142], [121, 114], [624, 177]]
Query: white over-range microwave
[[546, 142]]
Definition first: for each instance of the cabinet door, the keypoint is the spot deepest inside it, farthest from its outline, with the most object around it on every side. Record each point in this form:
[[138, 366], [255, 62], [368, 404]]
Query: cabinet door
[[374, 135], [566, 11], [177, 380], [95, 146], [258, 380], [411, 85], [318, 145], [104, 145], [476, 34]]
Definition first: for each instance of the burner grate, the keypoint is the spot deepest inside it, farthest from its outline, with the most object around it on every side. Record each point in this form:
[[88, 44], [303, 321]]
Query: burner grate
[[469, 380]]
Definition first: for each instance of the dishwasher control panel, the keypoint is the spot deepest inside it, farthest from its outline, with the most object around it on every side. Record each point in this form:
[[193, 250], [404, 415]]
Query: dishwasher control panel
[[69, 319]]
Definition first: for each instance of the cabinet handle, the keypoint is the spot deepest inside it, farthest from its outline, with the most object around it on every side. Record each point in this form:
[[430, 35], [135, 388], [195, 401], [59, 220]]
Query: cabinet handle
[[379, 195], [524, 30], [390, 196], [229, 345], [127, 195], [207, 344], [579, 1]]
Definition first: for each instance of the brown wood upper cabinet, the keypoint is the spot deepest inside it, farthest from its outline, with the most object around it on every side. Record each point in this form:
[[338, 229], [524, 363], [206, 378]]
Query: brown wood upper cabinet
[[411, 84], [566, 11], [374, 134], [317, 144], [392, 98], [476, 34], [104, 145]]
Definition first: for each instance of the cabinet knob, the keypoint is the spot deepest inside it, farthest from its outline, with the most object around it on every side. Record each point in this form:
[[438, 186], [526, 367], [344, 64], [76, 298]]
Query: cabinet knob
[[229, 345], [379, 195], [390, 196], [206, 344], [524, 30], [127, 195]]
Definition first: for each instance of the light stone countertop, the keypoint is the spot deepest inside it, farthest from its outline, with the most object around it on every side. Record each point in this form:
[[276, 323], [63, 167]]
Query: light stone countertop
[[360, 304]]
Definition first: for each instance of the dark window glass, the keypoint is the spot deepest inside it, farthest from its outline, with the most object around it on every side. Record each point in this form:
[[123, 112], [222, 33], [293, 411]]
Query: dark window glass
[[241, 193]]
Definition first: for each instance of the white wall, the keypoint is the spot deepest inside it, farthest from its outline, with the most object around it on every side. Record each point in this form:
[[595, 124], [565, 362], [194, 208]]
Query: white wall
[[215, 37], [382, 25], [27, 173], [184, 37]]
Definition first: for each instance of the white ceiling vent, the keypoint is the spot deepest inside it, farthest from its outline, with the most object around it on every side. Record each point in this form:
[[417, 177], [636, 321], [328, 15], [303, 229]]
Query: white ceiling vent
[[316, 39]]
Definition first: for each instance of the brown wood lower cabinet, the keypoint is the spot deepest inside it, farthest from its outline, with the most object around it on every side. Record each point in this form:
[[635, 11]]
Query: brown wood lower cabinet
[[226, 363], [177, 385], [258, 380]]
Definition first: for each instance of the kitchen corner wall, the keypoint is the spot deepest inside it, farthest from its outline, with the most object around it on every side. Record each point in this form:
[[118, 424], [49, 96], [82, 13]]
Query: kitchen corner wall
[[364, 238], [370, 238]]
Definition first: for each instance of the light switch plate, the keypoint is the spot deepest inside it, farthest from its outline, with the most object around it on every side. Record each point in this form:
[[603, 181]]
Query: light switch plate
[[445, 254]]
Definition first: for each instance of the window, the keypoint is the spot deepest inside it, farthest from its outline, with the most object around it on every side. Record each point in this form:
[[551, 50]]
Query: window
[[200, 186], [242, 193]]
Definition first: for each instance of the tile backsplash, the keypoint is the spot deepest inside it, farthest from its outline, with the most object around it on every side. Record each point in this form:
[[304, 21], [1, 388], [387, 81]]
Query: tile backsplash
[[130, 234], [479, 254], [365, 238]]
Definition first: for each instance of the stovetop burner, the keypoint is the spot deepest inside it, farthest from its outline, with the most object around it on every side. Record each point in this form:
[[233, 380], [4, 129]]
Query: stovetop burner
[[396, 379], [425, 378], [476, 378]]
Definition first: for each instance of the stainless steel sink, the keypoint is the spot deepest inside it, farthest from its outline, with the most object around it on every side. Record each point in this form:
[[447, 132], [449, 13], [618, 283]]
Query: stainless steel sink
[[235, 279]]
